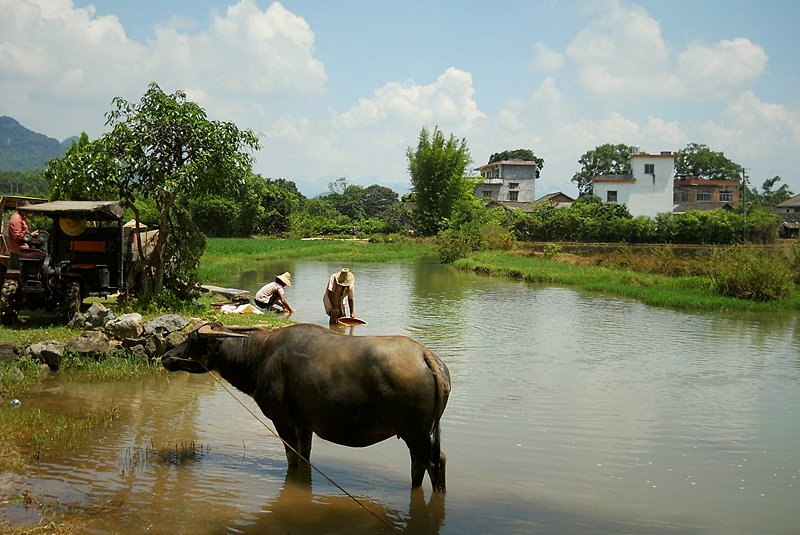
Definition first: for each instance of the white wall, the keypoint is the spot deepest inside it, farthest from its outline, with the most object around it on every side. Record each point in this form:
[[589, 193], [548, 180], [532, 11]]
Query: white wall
[[645, 195]]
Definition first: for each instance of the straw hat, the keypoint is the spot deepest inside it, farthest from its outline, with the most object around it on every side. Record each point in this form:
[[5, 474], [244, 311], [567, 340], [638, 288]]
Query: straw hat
[[72, 225], [345, 278], [285, 278]]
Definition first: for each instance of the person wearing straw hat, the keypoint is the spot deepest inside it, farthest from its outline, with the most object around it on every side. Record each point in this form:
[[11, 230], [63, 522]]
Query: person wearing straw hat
[[272, 293], [339, 286]]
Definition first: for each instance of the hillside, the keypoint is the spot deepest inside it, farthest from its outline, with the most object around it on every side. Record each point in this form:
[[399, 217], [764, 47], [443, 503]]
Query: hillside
[[22, 149]]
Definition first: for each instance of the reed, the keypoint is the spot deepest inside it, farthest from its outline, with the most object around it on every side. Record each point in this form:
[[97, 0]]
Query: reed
[[37, 434]]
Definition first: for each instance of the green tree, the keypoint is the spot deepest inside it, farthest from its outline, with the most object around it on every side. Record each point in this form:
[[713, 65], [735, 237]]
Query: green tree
[[702, 163], [377, 200], [291, 187], [439, 178], [608, 159], [346, 198], [160, 148], [526, 155], [769, 196]]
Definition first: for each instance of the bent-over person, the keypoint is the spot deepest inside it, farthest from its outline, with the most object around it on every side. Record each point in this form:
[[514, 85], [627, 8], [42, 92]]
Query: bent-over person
[[340, 286], [272, 293]]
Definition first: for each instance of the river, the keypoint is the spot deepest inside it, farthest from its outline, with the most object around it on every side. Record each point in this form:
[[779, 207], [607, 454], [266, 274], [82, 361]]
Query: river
[[570, 412]]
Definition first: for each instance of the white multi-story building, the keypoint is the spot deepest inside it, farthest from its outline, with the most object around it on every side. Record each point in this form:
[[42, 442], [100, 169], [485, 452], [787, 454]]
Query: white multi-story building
[[513, 180], [647, 191]]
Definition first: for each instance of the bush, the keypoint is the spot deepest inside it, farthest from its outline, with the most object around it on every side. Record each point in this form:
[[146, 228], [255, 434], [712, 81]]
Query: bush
[[495, 237], [455, 244], [746, 273]]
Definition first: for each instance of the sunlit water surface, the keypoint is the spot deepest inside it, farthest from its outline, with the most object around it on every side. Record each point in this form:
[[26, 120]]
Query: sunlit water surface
[[570, 413]]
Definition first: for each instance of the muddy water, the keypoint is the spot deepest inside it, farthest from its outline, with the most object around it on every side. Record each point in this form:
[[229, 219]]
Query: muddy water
[[570, 413]]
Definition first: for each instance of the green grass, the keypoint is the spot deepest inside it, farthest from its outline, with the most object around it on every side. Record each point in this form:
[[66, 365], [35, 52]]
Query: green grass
[[679, 292], [224, 257]]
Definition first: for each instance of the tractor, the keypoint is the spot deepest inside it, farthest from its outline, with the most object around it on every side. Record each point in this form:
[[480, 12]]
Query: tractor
[[86, 251]]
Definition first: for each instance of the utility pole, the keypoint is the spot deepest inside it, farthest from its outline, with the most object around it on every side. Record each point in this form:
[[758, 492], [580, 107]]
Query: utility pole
[[744, 201]]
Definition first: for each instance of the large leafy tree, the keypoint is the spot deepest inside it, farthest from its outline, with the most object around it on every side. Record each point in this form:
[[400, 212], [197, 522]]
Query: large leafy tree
[[702, 163], [346, 198], [159, 149], [608, 159], [377, 200], [357, 202], [439, 179], [768, 196], [258, 206], [526, 155]]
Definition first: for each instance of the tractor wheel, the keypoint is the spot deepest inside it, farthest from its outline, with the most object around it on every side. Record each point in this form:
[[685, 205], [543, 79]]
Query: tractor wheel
[[73, 298], [8, 311]]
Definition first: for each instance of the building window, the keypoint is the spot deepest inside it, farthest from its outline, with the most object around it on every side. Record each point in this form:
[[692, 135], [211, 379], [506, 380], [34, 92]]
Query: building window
[[487, 193], [684, 196], [649, 168], [513, 195], [611, 196], [703, 196], [725, 196], [513, 185]]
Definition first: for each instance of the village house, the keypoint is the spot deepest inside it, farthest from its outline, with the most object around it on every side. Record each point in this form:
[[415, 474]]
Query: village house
[[691, 190], [511, 180], [648, 190], [560, 199], [789, 210]]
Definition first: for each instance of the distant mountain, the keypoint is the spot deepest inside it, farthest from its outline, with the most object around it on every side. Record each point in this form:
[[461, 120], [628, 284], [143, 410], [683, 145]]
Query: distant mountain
[[22, 149]]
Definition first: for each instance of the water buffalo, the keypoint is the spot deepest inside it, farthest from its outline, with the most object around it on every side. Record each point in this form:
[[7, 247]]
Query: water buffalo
[[350, 390]]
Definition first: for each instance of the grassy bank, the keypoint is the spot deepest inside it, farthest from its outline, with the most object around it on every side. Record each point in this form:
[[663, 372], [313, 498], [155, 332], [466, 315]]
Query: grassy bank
[[224, 257], [693, 292]]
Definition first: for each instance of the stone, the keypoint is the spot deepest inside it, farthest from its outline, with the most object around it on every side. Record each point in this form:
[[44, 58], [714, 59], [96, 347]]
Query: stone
[[50, 352], [126, 326], [97, 315], [91, 343], [130, 343], [78, 321], [138, 351], [44, 371], [175, 339], [155, 345], [226, 294], [166, 324], [16, 373], [9, 352]]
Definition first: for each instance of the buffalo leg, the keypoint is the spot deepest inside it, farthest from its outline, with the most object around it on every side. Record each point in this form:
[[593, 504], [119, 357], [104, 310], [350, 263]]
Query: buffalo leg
[[422, 461], [417, 472], [304, 436], [291, 442]]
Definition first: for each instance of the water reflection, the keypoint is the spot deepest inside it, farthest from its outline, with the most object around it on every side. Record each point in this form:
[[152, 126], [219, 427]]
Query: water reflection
[[298, 510]]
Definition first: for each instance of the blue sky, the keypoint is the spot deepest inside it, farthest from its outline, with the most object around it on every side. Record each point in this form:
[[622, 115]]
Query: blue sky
[[343, 88]]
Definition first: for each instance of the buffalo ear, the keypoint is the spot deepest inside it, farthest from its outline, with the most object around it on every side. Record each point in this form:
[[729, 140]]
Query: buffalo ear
[[208, 331]]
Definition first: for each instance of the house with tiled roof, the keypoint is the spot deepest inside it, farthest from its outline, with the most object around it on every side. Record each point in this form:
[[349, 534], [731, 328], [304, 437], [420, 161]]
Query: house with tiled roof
[[559, 197], [508, 180], [789, 210], [647, 190], [688, 190]]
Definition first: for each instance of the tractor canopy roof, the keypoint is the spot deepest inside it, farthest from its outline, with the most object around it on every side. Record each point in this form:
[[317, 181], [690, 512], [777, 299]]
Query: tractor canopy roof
[[91, 210]]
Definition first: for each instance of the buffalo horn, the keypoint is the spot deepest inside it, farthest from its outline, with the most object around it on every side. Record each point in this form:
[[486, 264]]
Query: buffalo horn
[[207, 331]]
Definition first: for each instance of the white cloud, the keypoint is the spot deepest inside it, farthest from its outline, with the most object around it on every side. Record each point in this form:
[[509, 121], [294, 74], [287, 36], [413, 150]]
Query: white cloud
[[716, 71], [621, 55], [752, 129], [547, 60], [71, 63], [448, 103]]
